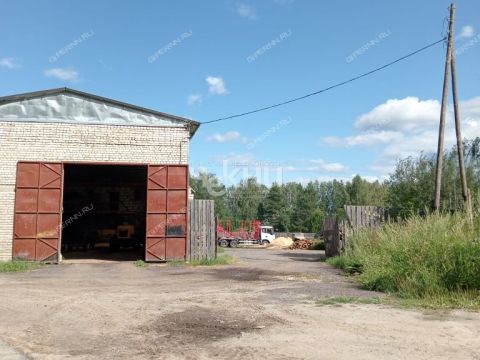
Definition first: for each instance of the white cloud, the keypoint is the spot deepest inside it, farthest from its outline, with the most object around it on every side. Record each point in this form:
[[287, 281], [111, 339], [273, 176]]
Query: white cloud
[[216, 85], [9, 63], [321, 165], [247, 11], [194, 99], [400, 114], [64, 74], [407, 127], [226, 137], [366, 139], [467, 32]]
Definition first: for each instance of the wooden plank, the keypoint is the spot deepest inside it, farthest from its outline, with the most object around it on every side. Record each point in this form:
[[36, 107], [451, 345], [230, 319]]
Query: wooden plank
[[202, 230]]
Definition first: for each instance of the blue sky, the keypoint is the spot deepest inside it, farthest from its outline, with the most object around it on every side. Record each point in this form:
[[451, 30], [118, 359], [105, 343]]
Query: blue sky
[[209, 59]]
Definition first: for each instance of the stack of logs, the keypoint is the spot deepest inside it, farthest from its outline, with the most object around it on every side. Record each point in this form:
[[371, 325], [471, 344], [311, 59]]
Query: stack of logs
[[302, 245]]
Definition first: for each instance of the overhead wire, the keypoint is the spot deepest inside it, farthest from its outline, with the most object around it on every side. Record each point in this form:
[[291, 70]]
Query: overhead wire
[[327, 88]]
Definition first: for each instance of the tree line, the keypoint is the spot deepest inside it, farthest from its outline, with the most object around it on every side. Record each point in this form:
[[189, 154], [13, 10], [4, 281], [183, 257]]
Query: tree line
[[296, 207]]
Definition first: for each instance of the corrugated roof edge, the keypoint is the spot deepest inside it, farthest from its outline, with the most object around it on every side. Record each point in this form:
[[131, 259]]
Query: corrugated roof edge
[[191, 124]]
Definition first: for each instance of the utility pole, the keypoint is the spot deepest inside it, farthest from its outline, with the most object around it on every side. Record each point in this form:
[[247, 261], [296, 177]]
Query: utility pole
[[458, 130], [441, 130]]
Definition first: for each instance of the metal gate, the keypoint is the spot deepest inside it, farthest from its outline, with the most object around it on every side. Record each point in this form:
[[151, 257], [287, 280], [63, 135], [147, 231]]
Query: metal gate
[[38, 204], [167, 194]]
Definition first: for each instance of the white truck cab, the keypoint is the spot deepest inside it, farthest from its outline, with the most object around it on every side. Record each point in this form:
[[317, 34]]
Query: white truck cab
[[267, 234]]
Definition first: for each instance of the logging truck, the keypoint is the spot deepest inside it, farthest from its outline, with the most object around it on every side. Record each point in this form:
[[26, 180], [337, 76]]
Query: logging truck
[[253, 233]]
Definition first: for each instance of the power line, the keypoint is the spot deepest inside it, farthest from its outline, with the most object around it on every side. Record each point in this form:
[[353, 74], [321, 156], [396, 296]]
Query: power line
[[327, 88]]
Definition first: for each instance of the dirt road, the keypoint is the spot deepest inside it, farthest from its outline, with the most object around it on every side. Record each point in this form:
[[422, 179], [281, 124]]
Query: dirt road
[[264, 306]]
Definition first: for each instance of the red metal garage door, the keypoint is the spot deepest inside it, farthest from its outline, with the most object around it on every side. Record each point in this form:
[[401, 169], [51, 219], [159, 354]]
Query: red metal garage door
[[167, 197], [38, 203]]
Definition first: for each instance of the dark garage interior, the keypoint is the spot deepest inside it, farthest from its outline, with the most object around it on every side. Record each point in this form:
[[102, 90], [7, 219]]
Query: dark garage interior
[[104, 208]]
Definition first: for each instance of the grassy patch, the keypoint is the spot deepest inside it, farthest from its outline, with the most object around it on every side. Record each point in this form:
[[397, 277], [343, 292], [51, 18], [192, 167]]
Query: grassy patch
[[220, 250], [219, 260], [17, 266], [446, 301], [140, 263], [176, 263], [339, 300], [431, 262], [318, 245]]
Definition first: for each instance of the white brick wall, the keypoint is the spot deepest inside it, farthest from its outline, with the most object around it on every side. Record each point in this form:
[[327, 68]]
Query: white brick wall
[[21, 141]]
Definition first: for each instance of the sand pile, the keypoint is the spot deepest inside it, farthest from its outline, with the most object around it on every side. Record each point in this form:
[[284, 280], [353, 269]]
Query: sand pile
[[280, 243]]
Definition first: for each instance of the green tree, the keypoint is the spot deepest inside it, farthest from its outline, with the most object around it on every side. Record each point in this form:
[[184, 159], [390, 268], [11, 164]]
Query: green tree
[[207, 186], [363, 192], [305, 205], [275, 213], [246, 199], [316, 220]]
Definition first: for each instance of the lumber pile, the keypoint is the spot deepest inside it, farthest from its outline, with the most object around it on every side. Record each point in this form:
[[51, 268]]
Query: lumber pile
[[301, 245]]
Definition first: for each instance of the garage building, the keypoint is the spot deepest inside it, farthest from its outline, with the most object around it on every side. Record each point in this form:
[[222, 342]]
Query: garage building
[[78, 171]]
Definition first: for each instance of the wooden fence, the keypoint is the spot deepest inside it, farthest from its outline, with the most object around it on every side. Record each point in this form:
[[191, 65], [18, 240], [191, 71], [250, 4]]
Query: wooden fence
[[203, 241], [360, 217], [336, 232]]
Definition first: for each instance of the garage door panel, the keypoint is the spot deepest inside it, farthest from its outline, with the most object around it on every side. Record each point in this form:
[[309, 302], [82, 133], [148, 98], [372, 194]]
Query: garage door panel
[[24, 249], [37, 220], [48, 226], [25, 225], [177, 177], [49, 200], [155, 249], [167, 198], [175, 248], [157, 201], [50, 175], [157, 177], [26, 200], [46, 249], [156, 224], [176, 225], [27, 174], [177, 201]]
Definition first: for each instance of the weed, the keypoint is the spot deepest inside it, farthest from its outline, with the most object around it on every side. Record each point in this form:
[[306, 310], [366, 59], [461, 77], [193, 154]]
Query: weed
[[18, 265], [176, 263], [219, 260], [140, 263], [338, 300]]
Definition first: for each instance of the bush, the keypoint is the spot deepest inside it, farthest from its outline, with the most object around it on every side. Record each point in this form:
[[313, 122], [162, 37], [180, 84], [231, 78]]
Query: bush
[[318, 245], [421, 258]]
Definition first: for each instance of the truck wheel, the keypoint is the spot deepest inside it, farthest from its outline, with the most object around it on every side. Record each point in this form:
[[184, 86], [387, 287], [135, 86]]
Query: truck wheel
[[233, 243], [223, 243], [265, 242]]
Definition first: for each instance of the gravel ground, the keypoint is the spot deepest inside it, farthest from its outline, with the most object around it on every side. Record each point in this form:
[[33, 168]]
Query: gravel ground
[[264, 305]]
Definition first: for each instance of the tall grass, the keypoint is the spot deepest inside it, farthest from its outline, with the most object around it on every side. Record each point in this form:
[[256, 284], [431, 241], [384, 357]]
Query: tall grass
[[437, 257]]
